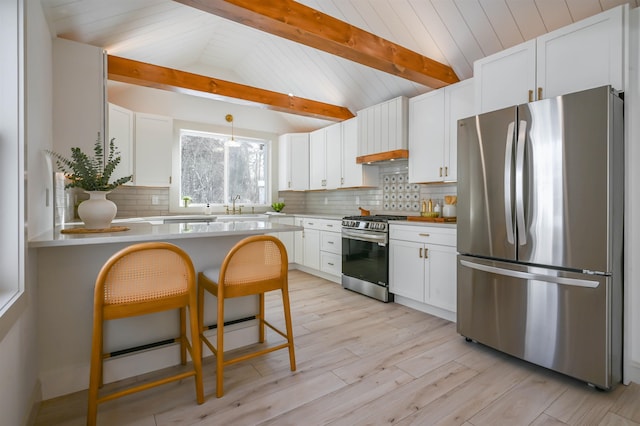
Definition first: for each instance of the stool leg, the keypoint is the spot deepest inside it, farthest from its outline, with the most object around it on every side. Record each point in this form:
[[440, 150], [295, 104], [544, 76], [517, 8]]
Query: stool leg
[[183, 336], [220, 347], [196, 347], [95, 374], [287, 319], [261, 318]]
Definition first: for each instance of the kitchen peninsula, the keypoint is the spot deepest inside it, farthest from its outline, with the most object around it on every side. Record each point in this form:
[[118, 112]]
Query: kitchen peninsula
[[67, 266]]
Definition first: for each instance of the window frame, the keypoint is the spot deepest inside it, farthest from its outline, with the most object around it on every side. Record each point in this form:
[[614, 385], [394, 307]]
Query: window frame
[[12, 165], [175, 204]]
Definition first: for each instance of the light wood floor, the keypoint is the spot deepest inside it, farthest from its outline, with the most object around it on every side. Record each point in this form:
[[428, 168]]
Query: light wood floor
[[363, 362]]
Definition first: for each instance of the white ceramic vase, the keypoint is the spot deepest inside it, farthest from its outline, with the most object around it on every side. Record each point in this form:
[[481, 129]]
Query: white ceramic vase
[[97, 212]]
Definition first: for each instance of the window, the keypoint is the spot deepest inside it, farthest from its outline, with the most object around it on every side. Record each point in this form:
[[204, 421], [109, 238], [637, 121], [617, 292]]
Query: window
[[12, 238], [215, 167]]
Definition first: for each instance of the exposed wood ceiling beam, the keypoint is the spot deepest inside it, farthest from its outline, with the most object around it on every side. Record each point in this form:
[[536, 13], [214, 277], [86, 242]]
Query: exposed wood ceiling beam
[[149, 75], [302, 24]]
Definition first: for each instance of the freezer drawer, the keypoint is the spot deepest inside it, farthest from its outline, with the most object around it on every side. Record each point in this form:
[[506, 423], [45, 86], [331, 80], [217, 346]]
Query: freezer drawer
[[561, 320]]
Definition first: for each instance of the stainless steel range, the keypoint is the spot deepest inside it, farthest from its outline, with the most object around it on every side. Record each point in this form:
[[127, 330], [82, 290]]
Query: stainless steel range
[[365, 255]]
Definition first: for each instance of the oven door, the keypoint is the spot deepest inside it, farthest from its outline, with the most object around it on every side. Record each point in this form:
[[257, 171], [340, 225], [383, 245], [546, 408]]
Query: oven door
[[365, 256]]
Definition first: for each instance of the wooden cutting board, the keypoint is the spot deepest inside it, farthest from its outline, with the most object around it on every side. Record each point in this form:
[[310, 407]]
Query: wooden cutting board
[[432, 219]]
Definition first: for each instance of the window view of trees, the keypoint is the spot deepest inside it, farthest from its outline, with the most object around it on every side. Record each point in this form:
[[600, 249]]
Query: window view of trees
[[215, 168]]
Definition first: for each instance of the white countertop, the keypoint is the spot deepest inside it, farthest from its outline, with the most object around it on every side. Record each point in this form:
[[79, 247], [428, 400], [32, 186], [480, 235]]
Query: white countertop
[[147, 231]]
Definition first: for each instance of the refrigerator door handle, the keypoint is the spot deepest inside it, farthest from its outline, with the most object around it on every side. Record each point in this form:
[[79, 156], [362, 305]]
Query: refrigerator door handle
[[530, 275], [508, 160], [520, 145]]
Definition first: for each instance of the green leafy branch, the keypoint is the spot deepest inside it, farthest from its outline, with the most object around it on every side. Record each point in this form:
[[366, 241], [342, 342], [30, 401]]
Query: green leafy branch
[[91, 173]]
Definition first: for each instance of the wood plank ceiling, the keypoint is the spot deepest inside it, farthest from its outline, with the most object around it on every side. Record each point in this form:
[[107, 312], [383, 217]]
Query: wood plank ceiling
[[454, 32]]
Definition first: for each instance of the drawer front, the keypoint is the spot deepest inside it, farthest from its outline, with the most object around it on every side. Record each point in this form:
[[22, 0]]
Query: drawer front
[[331, 263], [332, 225], [331, 242], [423, 234], [312, 223]]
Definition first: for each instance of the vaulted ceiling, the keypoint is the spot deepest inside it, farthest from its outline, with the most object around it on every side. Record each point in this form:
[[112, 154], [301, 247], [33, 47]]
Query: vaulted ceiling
[[453, 32]]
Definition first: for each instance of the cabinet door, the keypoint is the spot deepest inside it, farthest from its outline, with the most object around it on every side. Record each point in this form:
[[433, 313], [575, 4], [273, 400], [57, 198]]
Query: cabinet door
[[153, 150], [287, 238], [317, 159], [441, 277], [311, 251], [293, 162], [426, 137], [406, 269], [120, 129], [298, 243], [333, 156], [583, 55], [506, 78], [459, 103]]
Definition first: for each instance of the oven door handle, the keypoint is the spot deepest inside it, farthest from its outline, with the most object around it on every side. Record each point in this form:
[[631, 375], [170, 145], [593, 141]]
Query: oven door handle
[[354, 235]]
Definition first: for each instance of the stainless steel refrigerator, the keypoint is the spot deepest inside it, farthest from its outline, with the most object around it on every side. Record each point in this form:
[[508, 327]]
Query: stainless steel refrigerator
[[540, 233]]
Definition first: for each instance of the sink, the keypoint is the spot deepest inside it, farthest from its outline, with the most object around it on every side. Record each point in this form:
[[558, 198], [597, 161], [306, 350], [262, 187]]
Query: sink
[[242, 217]]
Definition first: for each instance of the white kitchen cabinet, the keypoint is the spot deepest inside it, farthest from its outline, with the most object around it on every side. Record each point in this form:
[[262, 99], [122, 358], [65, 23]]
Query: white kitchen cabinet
[[287, 238], [383, 127], [120, 128], [321, 243], [311, 243], [586, 54], [298, 243], [153, 140], [293, 162], [331, 247], [433, 132], [325, 157], [422, 266], [353, 174]]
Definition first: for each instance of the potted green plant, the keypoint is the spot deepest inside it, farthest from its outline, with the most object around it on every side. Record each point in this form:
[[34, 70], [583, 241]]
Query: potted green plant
[[93, 175]]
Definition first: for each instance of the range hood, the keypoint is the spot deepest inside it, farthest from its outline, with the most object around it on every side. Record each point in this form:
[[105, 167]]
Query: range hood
[[383, 157]]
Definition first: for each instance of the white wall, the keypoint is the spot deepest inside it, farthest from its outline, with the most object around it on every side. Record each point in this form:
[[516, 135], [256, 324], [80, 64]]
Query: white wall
[[632, 210], [19, 385]]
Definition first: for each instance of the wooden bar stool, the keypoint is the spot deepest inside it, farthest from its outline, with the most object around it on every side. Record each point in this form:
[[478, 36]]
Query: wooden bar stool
[[142, 279], [255, 265]]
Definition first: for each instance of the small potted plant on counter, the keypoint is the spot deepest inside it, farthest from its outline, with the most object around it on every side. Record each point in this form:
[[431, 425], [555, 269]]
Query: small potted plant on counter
[[93, 175]]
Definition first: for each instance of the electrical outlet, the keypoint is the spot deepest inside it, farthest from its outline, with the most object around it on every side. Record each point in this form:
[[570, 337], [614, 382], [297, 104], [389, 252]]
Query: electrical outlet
[[155, 200], [326, 201], [357, 200]]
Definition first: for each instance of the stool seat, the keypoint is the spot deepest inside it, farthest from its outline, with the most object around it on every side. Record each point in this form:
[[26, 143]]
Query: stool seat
[[254, 266]]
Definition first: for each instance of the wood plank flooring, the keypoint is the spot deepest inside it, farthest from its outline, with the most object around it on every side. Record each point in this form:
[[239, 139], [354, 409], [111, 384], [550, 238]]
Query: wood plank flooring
[[363, 362]]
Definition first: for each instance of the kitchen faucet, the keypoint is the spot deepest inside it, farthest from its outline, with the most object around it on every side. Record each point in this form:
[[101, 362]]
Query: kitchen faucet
[[233, 208]]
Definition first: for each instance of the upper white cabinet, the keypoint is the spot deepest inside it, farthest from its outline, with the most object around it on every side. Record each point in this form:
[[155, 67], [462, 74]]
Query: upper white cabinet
[[383, 127], [120, 128], [79, 96], [433, 136], [324, 157], [580, 56], [293, 162], [354, 174], [153, 136]]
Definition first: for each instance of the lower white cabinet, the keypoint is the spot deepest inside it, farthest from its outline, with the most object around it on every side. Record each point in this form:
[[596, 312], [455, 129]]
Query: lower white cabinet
[[321, 243], [287, 238], [422, 266]]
